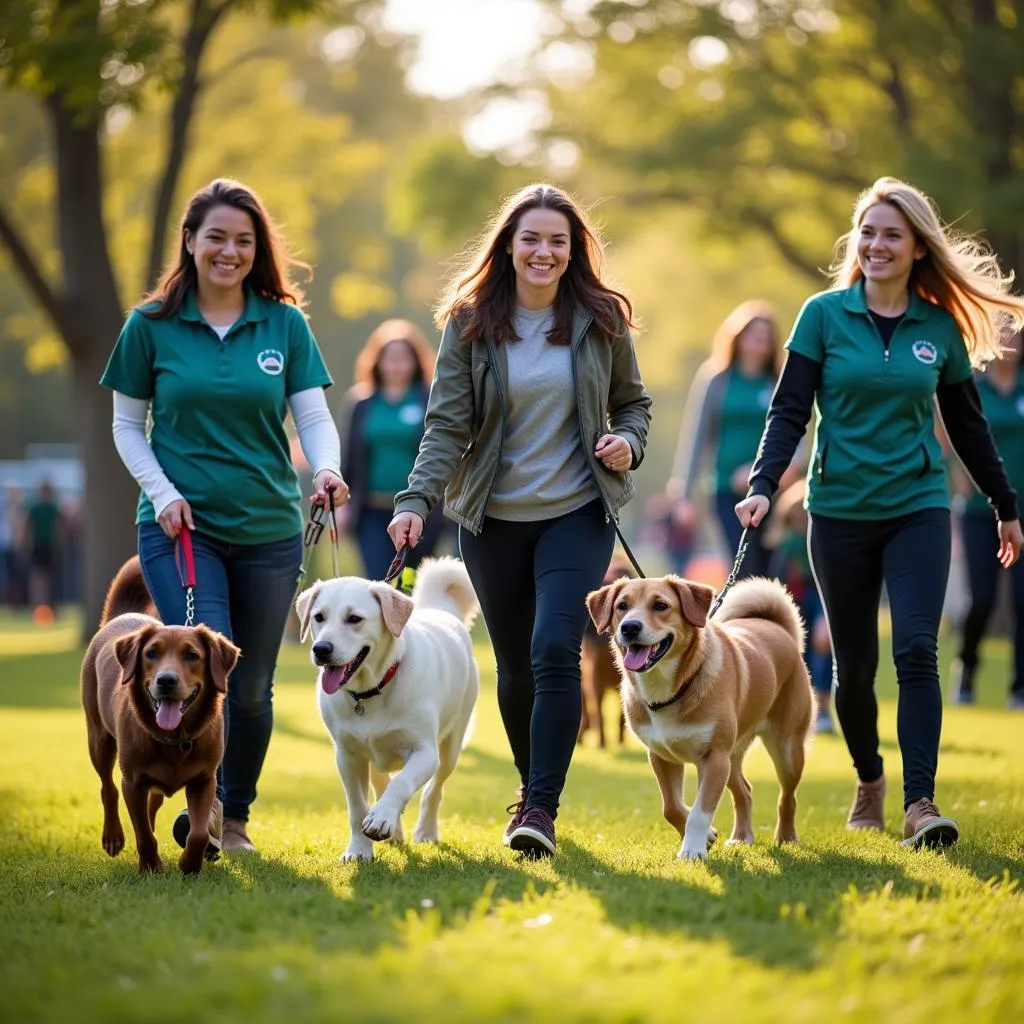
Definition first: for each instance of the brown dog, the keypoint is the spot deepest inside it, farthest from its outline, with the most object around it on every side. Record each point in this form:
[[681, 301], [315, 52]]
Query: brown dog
[[599, 674], [700, 691], [153, 698]]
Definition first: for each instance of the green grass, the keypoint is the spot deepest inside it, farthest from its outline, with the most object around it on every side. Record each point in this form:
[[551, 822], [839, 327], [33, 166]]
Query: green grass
[[845, 927]]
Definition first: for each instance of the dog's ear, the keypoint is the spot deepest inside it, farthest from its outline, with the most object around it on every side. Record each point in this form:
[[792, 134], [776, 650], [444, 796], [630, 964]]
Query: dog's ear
[[694, 600], [395, 607], [222, 656], [601, 604], [128, 651], [303, 606]]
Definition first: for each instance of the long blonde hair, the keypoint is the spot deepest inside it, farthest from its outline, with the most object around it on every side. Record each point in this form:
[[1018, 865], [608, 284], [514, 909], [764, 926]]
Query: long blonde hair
[[957, 272], [731, 329]]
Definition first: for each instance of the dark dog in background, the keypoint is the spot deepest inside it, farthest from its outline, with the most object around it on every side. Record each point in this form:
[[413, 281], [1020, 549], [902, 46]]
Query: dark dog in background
[[599, 673]]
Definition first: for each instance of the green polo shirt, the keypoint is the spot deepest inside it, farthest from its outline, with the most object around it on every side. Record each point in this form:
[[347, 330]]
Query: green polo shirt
[[744, 407], [876, 455], [392, 432], [218, 410], [1005, 414]]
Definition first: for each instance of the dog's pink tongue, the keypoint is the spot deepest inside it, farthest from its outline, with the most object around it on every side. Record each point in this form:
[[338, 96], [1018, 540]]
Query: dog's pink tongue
[[168, 715], [636, 657], [331, 677]]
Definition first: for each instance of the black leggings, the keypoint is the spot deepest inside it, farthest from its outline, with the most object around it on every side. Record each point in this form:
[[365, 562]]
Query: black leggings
[[532, 580], [851, 559]]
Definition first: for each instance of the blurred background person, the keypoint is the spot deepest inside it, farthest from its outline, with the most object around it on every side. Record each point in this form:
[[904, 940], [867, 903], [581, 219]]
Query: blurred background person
[[42, 546], [722, 425], [13, 589], [790, 562], [1001, 388], [381, 426]]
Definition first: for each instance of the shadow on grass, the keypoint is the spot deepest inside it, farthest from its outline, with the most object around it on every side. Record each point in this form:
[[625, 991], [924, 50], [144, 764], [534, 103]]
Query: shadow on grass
[[783, 916]]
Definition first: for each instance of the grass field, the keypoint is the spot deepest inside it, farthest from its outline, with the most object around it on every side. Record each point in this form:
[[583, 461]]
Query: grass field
[[842, 927]]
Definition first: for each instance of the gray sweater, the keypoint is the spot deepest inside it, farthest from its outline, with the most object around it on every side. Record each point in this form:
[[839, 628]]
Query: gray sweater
[[544, 471]]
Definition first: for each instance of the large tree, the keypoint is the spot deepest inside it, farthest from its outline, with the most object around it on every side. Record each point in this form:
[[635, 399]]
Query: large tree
[[92, 64], [770, 115]]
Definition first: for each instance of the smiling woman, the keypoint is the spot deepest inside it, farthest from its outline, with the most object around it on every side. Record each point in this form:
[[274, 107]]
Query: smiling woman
[[912, 308], [218, 355]]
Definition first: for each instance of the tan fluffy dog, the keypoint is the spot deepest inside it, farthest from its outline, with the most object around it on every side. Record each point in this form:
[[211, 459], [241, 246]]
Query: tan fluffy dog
[[152, 696], [700, 691]]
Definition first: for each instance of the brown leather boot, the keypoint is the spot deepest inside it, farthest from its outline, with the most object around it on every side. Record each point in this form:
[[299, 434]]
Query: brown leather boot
[[868, 810], [236, 840], [924, 826]]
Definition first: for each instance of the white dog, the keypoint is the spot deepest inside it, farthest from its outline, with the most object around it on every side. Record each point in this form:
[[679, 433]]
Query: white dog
[[397, 689]]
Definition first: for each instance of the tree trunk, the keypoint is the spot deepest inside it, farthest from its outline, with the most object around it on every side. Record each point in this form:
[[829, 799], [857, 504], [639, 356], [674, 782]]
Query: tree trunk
[[95, 314]]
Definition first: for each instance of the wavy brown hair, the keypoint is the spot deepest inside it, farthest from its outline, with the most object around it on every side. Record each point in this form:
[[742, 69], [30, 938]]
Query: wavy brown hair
[[270, 275], [367, 369], [482, 292], [957, 272], [726, 341]]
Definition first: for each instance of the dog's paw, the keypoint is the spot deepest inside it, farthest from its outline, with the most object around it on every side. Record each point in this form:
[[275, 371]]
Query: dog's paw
[[358, 849], [398, 836], [712, 836], [190, 863], [693, 851], [381, 823], [151, 867], [113, 840], [426, 834]]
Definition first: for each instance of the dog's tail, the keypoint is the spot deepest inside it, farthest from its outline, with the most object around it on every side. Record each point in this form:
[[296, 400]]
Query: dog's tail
[[763, 599], [443, 583], [127, 593]]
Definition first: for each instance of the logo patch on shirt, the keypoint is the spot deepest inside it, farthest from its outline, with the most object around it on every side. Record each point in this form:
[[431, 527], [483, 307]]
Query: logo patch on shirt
[[1020, 406], [271, 361], [924, 352], [410, 414]]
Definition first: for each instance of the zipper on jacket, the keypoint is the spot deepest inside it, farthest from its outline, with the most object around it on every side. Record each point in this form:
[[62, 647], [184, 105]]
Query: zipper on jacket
[[609, 516], [493, 367]]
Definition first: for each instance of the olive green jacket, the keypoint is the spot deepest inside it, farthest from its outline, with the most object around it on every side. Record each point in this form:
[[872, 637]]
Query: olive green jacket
[[460, 452]]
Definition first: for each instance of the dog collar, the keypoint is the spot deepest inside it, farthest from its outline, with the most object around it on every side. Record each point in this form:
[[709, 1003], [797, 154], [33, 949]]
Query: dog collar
[[183, 743], [367, 694], [661, 704]]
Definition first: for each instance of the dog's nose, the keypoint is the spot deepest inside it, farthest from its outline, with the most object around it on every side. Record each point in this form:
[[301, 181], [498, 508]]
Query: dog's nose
[[166, 682], [322, 651], [630, 629]]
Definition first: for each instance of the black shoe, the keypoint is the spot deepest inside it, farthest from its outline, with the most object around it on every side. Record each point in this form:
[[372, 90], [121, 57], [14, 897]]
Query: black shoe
[[182, 826], [534, 836]]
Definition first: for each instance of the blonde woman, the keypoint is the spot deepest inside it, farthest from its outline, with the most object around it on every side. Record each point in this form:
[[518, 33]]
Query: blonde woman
[[912, 309], [722, 425]]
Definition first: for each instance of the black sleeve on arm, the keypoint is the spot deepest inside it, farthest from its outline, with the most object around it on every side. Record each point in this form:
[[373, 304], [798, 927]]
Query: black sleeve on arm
[[971, 437], [790, 410]]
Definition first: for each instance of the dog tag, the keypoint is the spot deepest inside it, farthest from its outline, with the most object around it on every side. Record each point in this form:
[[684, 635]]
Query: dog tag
[[185, 746], [360, 710]]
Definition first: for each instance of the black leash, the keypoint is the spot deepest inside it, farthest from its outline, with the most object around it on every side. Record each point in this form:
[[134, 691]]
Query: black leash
[[315, 529], [741, 553]]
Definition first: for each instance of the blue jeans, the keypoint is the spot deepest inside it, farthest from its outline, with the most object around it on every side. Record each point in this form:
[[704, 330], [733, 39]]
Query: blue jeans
[[244, 591], [377, 549], [819, 664], [532, 580]]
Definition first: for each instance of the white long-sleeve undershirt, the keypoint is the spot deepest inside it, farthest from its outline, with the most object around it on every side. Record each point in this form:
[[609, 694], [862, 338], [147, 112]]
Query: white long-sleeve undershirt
[[317, 432]]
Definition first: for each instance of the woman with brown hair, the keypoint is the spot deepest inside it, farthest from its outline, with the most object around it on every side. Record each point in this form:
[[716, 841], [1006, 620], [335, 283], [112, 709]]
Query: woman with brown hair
[[722, 425], [536, 416], [218, 354], [381, 427], [911, 310]]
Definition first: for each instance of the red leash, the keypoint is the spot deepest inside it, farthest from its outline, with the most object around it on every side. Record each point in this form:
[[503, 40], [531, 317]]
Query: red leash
[[186, 567]]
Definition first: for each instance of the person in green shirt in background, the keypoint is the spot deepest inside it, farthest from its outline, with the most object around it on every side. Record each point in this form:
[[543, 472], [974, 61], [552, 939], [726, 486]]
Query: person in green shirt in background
[[44, 542], [381, 425], [722, 425], [911, 309], [1001, 387], [218, 354]]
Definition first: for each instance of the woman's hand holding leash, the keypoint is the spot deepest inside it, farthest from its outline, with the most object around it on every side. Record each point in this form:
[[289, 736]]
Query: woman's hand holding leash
[[327, 480], [750, 511], [615, 452], [1010, 541], [174, 517], [405, 529]]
